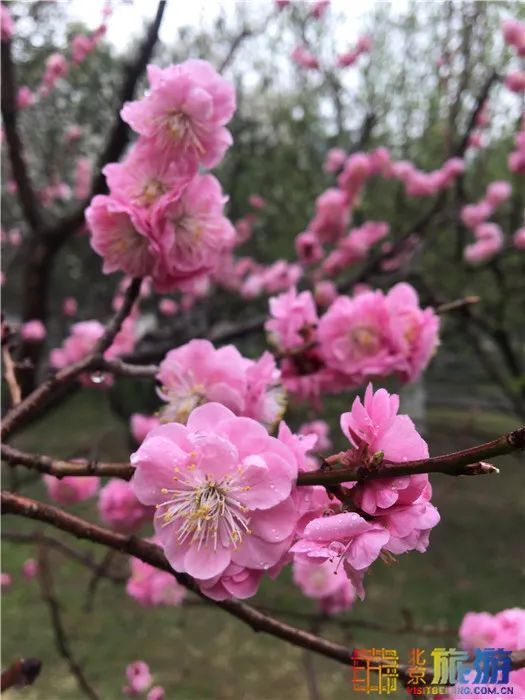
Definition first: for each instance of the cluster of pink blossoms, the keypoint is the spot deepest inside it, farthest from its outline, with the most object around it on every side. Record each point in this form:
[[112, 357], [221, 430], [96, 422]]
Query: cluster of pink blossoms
[[162, 217], [151, 587], [83, 338], [326, 583], [504, 630], [363, 46], [119, 508], [71, 489], [472, 215], [227, 510], [304, 58], [197, 373], [514, 36], [371, 334], [354, 246], [333, 208], [139, 681], [489, 236]]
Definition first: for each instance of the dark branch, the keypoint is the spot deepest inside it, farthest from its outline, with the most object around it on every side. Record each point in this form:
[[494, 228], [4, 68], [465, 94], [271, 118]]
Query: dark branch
[[61, 640], [26, 194], [118, 137]]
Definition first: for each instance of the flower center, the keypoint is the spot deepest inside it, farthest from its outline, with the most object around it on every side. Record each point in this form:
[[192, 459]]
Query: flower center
[[180, 127], [182, 400], [364, 339], [177, 125], [153, 189], [208, 513]]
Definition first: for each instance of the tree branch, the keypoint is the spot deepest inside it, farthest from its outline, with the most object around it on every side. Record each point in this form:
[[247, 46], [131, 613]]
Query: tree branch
[[10, 377], [153, 555], [26, 194], [118, 137], [83, 558], [61, 640], [44, 392], [469, 462], [462, 463]]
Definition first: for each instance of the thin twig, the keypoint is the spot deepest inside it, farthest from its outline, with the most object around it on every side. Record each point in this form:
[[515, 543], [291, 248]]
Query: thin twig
[[469, 462], [61, 640], [99, 573], [83, 558], [18, 415], [10, 377], [26, 194]]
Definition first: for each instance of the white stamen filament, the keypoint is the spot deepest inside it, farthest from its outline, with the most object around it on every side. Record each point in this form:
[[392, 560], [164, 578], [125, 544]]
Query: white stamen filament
[[209, 512]]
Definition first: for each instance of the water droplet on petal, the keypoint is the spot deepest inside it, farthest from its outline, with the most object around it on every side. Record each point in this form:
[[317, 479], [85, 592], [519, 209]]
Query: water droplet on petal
[[97, 377]]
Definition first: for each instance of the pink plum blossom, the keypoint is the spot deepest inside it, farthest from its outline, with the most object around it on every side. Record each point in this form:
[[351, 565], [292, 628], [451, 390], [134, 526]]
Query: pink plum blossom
[[474, 214], [514, 34], [82, 340], [140, 425], [147, 174], [355, 336], [71, 489], [221, 486], [293, 316], [185, 111], [56, 67], [515, 81], [192, 232], [121, 235], [139, 678], [149, 586], [304, 58], [256, 201], [321, 430], [318, 8], [326, 583], [357, 169], [334, 161], [197, 373], [345, 538], [332, 215], [519, 238], [119, 508], [25, 98], [33, 331], [73, 132], [30, 569], [364, 45], [265, 398], [374, 427], [156, 693], [308, 248], [168, 307], [7, 26], [6, 581], [416, 330], [324, 293], [83, 170], [81, 47], [280, 276], [498, 192]]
